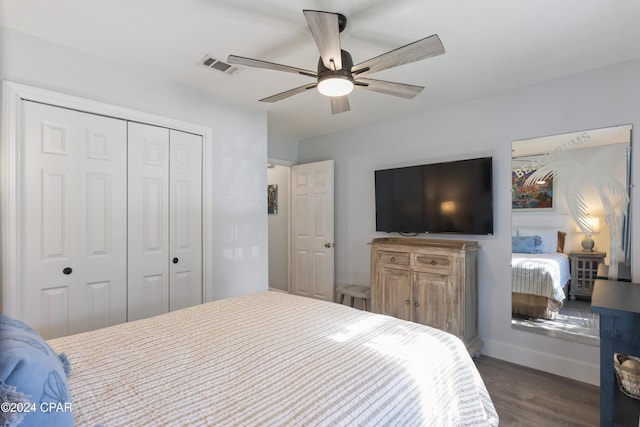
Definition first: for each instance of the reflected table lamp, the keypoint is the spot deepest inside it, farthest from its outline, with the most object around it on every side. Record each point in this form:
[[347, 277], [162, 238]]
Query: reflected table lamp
[[594, 227]]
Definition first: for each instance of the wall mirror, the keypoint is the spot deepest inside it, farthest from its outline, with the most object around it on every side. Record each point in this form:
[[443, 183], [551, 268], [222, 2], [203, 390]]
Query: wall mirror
[[570, 225]]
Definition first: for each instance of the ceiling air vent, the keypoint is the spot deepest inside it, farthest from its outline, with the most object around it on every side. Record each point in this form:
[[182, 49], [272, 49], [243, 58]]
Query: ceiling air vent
[[215, 64]]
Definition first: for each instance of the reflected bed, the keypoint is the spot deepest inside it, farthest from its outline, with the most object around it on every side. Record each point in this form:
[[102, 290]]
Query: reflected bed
[[539, 283], [539, 267]]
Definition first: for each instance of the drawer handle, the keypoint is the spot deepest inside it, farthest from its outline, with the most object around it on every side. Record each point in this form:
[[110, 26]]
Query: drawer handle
[[67, 270], [393, 259], [433, 262], [407, 302]]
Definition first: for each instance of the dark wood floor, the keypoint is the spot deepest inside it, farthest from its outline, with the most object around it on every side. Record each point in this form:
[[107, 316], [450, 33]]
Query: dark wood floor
[[527, 397]]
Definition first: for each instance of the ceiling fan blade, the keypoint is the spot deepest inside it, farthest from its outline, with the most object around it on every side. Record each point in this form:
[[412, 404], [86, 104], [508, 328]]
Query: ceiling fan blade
[[390, 88], [325, 30], [240, 60], [416, 51], [283, 95], [339, 104]]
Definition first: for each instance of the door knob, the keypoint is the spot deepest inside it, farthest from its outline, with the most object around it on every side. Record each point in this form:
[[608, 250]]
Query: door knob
[[67, 270], [327, 245], [407, 302], [175, 260]]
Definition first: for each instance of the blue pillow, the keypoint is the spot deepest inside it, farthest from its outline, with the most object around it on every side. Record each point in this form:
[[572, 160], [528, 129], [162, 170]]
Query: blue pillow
[[526, 244], [33, 379]]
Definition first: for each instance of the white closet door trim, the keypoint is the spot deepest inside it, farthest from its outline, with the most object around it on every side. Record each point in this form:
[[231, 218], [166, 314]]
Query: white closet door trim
[[12, 96]]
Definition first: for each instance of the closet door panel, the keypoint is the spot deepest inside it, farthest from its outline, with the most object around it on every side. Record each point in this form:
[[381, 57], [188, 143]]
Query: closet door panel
[[148, 219], [56, 210], [102, 221], [49, 209], [71, 203], [185, 220], [57, 314]]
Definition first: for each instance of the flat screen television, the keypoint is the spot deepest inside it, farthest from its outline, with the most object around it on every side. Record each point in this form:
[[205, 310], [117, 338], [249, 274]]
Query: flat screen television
[[448, 197]]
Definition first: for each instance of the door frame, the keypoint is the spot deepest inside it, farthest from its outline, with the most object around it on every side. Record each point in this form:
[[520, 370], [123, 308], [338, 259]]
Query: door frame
[[12, 96], [285, 164]]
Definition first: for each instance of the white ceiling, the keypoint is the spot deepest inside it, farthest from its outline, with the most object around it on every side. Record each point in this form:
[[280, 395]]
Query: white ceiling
[[491, 46]]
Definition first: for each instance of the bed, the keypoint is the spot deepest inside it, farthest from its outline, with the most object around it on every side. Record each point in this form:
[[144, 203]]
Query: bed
[[538, 284], [540, 272], [273, 359]]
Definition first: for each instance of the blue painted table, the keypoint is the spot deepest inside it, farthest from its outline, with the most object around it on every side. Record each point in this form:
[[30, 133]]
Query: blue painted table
[[618, 304]]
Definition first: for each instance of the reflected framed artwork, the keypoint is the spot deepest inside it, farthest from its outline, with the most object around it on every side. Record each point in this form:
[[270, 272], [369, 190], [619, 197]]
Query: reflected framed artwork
[[530, 197], [272, 198]]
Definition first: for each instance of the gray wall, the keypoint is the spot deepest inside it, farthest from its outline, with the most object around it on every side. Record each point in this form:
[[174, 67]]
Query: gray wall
[[482, 126], [234, 168], [283, 148]]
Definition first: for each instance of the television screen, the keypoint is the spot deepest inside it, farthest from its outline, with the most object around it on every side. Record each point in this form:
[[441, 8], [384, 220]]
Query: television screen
[[449, 197]]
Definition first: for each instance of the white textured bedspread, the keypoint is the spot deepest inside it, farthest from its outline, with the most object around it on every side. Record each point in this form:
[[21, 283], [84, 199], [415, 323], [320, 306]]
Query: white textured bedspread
[[273, 359]]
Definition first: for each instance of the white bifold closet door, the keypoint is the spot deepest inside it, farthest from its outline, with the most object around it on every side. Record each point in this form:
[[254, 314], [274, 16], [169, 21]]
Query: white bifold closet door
[[164, 220], [73, 230]]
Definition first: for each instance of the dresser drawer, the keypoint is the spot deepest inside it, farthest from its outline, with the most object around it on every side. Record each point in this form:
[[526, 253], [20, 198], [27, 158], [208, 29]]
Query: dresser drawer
[[390, 257], [440, 264]]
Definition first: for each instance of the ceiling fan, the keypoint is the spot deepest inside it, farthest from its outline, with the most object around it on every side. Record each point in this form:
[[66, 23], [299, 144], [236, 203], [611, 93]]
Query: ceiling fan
[[336, 75]]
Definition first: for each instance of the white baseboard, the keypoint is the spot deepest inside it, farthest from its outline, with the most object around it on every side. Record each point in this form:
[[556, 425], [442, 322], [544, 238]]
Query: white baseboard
[[278, 290], [554, 364]]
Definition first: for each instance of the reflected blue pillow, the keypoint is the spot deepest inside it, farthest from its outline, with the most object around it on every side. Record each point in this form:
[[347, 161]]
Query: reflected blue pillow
[[33, 378], [526, 244]]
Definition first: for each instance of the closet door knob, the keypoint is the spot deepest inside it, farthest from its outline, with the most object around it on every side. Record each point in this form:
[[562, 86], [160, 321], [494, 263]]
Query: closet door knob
[[175, 260], [67, 270], [407, 302], [417, 304]]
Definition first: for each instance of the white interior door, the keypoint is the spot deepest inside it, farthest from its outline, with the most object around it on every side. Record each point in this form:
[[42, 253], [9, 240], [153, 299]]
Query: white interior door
[[148, 218], [185, 219], [312, 230], [74, 224]]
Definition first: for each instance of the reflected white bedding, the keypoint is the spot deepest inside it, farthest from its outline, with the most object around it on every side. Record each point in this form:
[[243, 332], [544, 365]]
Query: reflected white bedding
[[540, 274], [273, 359]]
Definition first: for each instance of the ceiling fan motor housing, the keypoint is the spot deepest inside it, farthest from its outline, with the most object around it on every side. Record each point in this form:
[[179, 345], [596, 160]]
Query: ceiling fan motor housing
[[342, 22], [326, 73]]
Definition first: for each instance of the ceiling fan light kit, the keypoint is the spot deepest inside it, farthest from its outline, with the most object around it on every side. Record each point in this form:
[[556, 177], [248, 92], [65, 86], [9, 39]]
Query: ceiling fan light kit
[[336, 82], [335, 85], [336, 75]]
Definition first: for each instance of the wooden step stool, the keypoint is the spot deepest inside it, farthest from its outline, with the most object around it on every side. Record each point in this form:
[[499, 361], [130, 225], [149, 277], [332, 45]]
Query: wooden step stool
[[355, 291]]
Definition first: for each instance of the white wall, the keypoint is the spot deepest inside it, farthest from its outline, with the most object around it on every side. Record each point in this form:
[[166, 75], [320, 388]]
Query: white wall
[[279, 229], [481, 126], [234, 169]]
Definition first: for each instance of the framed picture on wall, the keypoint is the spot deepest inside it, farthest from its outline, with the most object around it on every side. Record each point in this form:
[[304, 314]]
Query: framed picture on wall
[[272, 198], [531, 197]]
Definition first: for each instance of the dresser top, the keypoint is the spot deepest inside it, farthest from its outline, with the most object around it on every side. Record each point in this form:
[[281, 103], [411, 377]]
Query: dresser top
[[434, 243], [610, 296]]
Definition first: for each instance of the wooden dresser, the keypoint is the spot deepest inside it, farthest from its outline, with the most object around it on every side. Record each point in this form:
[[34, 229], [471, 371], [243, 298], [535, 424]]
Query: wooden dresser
[[428, 281]]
